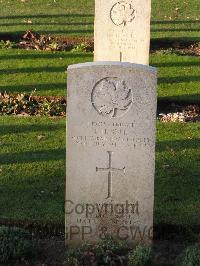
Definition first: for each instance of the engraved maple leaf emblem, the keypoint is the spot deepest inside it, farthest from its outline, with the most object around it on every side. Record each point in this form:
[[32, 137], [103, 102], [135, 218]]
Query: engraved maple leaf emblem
[[122, 13], [111, 96]]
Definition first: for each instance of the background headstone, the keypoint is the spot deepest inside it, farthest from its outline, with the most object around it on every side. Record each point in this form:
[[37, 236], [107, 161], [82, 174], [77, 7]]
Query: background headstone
[[110, 152], [122, 31]]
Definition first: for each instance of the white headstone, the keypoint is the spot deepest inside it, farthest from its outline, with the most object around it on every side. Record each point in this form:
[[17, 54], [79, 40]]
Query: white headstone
[[122, 31], [110, 152]]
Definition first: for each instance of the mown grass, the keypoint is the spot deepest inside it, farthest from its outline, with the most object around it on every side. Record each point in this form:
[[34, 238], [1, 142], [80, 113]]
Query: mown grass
[[172, 20], [177, 185], [32, 168], [175, 19], [178, 77], [32, 150], [32, 171], [47, 17], [24, 71]]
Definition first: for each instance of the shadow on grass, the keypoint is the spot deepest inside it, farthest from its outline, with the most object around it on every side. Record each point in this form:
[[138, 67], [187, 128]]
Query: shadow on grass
[[178, 145], [183, 99], [18, 34], [73, 31], [17, 129], [12, 36], [63, 69], [49, 23], [178, 79], [176, 64], [29, 88], [47, 69], [48, 16], [32, 156], [33, 70], [174, 30], [174, 21], [44, 55], [168, 41]]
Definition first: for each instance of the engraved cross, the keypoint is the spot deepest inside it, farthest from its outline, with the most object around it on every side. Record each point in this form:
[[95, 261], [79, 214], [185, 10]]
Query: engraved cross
[[110, 171], [121, 57]]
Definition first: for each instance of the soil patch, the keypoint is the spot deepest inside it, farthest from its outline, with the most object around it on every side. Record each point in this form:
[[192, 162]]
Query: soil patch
[[177, 112], [33, 40]]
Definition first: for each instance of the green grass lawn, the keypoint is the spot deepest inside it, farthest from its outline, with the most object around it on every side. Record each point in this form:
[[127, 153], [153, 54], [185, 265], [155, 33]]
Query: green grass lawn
[[32, 171], [178, 77], [32, 168], [32, 154], [61, 17], [24, 71], [175, 19], [177, 186]]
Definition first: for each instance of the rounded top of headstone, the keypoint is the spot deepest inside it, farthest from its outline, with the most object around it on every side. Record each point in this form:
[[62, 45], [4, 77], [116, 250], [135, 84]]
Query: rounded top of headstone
[[113, 63]]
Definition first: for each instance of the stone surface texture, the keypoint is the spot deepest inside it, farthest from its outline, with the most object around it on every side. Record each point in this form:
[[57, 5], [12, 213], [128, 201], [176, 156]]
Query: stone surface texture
[[110, 152], [122, 31]]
